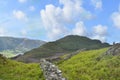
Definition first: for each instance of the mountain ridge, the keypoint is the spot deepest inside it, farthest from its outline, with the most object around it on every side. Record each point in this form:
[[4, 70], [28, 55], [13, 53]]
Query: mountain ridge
[[62, 46], [18, 45]]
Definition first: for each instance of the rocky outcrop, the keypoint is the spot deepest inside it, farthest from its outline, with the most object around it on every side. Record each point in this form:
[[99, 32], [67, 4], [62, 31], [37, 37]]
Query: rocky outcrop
[[51, 72], [114, 50]]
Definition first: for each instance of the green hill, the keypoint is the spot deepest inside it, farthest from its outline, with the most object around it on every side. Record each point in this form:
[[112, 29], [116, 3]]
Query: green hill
[[15, 46], [67, 44], [12, 70], [86, 66]]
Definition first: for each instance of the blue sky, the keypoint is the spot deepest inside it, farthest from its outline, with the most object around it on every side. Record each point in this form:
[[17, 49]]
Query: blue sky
[[52, 19]]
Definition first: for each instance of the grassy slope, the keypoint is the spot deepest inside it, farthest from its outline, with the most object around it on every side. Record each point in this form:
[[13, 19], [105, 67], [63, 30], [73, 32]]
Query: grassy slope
[[84, 66], [12, 70]]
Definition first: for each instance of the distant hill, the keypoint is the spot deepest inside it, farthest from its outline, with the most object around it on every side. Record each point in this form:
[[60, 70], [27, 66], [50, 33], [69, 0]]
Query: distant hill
[[62, 46], [18, 45]]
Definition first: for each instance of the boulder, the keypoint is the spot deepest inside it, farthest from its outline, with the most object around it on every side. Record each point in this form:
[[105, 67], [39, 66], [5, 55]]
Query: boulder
[[114, 50]]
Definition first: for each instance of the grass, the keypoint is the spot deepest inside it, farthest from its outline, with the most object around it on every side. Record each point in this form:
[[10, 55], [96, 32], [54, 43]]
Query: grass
[[12, 70], [85, 66]]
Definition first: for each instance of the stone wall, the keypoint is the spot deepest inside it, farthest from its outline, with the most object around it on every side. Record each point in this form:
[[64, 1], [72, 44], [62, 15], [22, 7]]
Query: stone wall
[[51, 72]]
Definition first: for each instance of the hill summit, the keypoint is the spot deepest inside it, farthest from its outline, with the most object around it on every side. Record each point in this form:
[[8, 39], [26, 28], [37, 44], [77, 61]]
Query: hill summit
[[62, 46]]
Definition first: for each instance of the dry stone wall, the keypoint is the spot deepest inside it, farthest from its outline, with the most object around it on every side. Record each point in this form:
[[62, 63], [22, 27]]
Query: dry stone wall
[[51, 72]]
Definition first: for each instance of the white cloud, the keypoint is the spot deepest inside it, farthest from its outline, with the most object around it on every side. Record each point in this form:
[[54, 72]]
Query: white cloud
[[55, 18], [97, 4], [116, 18], [100, 32], [51, 22], [79, 29], [119, 8], [20, 15], [32, 8], [73, 11], [24, 32], [22, 1], [2, 31]]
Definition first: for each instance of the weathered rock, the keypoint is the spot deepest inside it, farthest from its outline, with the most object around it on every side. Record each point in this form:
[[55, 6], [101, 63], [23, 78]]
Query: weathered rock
[[114, 50], [51, 72]]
